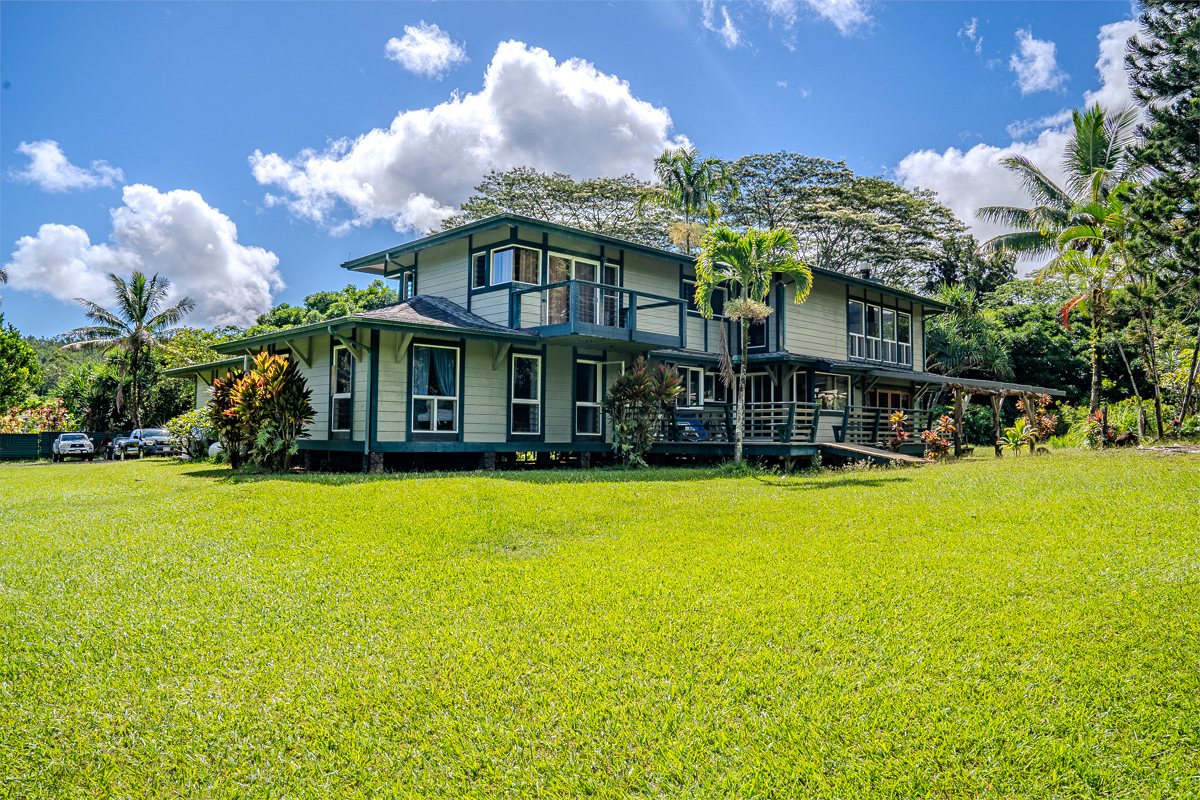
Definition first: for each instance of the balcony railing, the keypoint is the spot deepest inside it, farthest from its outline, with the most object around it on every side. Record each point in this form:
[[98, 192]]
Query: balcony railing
[[881, 351], [596, 309], [787, 423]]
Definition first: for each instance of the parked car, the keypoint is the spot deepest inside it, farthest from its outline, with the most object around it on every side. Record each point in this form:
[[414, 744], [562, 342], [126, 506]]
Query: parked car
[[72, 445], [120, 446], [152, 442]]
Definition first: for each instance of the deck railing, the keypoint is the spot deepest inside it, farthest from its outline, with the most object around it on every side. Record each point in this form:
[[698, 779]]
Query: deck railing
[[787, 423], [596, 309]]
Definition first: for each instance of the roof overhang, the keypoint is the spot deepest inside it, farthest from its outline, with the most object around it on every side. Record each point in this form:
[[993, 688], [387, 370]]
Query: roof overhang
[[252, 343], [930, 377], [206, 372]]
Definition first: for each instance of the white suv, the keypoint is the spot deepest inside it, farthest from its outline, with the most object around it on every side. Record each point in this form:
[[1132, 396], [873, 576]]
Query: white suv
[[69, 445]]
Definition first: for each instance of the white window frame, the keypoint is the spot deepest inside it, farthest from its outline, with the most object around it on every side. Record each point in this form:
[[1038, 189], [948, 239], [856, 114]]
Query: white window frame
[[857, 340], [512, 277], [335, 396], [692, 374], [889, 344], [799, 376], [573, 262], [435, 398], [598, 394], [514, 401], [904, 349], [711, 397]]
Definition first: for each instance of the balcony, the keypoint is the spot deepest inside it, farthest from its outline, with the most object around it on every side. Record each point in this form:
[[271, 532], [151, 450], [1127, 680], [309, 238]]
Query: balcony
[[583, 308], [880, 351]]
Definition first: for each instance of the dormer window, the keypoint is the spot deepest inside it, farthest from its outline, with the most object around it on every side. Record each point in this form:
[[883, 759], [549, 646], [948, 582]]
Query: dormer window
[[516, 265]]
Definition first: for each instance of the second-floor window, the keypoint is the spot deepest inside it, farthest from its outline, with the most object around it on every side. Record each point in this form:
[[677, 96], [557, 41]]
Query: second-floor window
[[516, 264], [478, 270], [878, 334], [717, 302]]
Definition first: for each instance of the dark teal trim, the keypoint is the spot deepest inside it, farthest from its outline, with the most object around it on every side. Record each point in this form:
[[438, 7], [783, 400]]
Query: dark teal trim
[[372, 420], [432, 436], [540, 436]]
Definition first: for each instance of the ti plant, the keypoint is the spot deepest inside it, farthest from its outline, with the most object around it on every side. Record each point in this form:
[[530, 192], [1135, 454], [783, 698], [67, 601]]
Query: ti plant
[[938, 438], [636, 403], [1018, 436], [898, 423]]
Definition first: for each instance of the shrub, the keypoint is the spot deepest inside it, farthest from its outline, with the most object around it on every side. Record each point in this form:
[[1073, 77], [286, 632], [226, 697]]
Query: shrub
[[49, 416], [1047, 423], [636, 402], [900, 434], [937, 439], [270, 405], [1017, 436], [226, 424], [191, 430]]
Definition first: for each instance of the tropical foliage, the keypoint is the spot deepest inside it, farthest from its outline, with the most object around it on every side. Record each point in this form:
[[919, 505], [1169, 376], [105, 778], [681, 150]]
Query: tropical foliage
[[687, 186], [19, 368], [263, 411], [747, 264], [44, 417], [141, 323], [636, 402]]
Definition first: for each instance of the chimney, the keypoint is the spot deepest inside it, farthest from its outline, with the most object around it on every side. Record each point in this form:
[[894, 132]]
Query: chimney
[[865, 273]]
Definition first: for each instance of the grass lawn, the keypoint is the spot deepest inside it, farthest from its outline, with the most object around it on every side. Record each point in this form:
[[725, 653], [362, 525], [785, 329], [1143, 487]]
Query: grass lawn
[[1021, 628]]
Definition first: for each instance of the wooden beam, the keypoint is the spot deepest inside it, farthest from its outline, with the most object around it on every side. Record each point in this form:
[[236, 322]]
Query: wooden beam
[[305, 358], [499, 351], [354, 347], [402, 345]]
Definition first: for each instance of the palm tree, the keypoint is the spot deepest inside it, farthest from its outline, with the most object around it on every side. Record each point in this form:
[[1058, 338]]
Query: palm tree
[[134, 326], [1070, 222], [687, 184], [747, 263]]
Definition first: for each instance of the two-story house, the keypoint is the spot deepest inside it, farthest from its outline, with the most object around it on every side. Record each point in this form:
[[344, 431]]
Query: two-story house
[[509, 330]]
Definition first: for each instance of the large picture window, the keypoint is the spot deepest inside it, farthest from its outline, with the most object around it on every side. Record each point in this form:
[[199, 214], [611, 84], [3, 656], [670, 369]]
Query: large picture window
[[516, 264], [526, 394], [434, 389], [588, 394], [341, 383], [831, 391]]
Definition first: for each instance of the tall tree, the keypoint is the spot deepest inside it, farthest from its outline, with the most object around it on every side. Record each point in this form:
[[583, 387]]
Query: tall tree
[[961, 264], [19, 368], [771, 190], [688, 185], [601, 205], [746, 264], [135, 326], [321, 306], [1163, 60]]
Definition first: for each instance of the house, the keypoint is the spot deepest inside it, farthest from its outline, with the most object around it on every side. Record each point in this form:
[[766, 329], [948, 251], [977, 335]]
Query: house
[[509, 329]]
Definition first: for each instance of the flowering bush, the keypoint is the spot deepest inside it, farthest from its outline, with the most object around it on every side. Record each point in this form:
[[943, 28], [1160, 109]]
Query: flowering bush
[[1095, 433], [50, 416], [1047, 423], [191, 430], [937, 439], [900, 434]]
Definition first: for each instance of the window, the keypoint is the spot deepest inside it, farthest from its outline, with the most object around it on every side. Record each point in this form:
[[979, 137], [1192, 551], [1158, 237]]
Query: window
[[800, 387], [854, 329], [340, 408], [715, 390], [693, 387], [408, 284], [885, 398], [878, 334], [596, 305], [587, 398], [526, 394], [758, 334], [904, 339], [478, 270], [831, 391], [516, 264], [717, 301], [434, 389]]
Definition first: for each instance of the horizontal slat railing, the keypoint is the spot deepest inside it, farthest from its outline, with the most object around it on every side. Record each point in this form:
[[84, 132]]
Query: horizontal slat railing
[[869, 424], [764, 423]]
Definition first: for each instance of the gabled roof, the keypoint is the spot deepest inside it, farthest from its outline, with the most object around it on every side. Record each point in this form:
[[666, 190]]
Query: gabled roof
[[500, 220], [421, 313]]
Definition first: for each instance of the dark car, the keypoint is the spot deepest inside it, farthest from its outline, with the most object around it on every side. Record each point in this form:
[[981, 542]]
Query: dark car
[[119, 446], [152, 442]]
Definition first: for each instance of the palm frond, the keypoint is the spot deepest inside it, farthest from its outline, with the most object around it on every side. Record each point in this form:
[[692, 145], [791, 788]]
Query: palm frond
[[1036, 184]]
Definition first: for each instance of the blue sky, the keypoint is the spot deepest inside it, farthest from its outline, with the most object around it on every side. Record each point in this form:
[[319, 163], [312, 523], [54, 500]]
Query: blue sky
[[246, 149]]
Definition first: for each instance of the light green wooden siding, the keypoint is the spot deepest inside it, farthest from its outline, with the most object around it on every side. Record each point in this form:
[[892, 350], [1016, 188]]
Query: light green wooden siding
[[817, 327], [918, 338], [653, 275], [317, 377], [392, 410], [442, 272], [492, 306], [202, 394], [486, 394], [559, 404]]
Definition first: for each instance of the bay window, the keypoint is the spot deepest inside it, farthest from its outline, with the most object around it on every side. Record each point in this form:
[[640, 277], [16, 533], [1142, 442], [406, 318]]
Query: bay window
[[526, 397], [434, 389]]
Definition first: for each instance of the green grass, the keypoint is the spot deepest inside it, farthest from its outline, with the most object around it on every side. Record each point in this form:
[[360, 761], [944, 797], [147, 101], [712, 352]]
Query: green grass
[[1021, 628]]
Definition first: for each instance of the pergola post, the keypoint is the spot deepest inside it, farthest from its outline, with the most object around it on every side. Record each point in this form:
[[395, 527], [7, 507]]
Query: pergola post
[[958, 415], [997, 402]]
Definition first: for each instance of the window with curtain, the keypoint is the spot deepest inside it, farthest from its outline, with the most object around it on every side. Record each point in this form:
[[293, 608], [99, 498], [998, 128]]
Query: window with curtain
[[434, 389], [526, 394], [588, 396], [340, 407], [516, 264]]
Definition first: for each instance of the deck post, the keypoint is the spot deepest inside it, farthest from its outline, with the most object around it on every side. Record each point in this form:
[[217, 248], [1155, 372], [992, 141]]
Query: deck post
[[997, 402], [875, 435], [841, 437], [816, 418], [785, 432]]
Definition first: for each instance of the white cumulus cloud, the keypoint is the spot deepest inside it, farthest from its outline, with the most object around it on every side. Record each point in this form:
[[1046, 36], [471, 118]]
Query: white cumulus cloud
[[49, 169], [846, 15], [726, 31], [532, 111], [1035, 64], [966, 180], [426, 50], [175, 234]]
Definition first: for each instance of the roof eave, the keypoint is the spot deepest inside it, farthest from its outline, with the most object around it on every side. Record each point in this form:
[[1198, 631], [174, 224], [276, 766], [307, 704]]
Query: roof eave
[[342, 323]]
